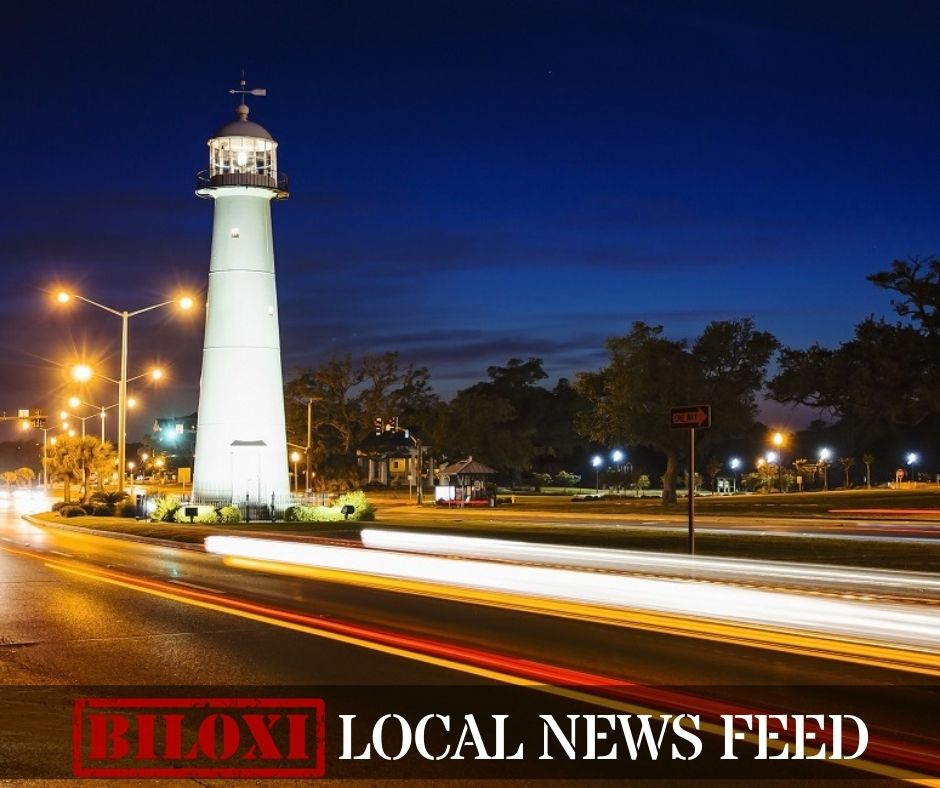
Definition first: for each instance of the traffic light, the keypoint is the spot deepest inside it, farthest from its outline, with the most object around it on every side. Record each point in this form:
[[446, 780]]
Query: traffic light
[[39, 422], [377, 421]]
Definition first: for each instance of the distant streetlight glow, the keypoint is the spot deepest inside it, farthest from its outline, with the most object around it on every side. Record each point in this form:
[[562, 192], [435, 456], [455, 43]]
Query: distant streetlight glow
[[616, 455], [82, 373], [735, 463], [824, 455], [184, 303], [596, 462], [295, 458], [912, 459]]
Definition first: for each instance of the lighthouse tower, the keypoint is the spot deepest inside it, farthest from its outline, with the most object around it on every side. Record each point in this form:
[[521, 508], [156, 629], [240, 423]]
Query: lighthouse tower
[[241, 444]]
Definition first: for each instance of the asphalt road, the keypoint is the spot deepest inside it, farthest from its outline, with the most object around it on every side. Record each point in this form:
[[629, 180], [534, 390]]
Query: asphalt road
[[75, 609]]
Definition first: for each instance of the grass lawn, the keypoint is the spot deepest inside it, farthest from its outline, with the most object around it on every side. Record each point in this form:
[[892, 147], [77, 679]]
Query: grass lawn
[[541, 525]]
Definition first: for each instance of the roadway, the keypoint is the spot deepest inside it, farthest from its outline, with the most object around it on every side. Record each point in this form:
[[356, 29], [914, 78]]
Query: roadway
[[83, 609]]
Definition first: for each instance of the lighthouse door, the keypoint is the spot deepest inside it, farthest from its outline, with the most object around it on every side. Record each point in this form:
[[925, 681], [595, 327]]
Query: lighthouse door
[[246, 470]]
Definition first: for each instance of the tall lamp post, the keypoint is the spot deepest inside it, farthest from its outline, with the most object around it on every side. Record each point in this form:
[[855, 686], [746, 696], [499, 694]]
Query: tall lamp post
[[184, 303], [735, 464], [912, 459], [778, 441], [824, 455], [76, 402], [597, 461], [45, 449], [295, 458]]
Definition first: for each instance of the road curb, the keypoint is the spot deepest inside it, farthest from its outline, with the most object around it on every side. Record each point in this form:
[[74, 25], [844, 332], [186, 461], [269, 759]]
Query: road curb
[[33, 520]]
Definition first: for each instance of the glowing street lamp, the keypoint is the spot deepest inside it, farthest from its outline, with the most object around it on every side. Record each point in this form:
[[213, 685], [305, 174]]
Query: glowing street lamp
[[735, 463], [597, 461], [295, 458], [824, 455], [912, 459], [77, 402], [184, 303], [778, 439]]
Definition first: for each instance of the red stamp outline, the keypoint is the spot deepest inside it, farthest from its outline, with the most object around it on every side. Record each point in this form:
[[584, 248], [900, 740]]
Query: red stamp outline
[[149, 704]]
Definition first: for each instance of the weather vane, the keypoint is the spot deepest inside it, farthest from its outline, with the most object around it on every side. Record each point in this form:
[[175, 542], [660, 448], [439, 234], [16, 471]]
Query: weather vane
[[245, 92]]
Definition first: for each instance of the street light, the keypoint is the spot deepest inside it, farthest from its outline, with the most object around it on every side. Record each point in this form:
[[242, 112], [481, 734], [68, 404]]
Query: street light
[[912, 459], [46, 440], [597, 461], [735, 464], [76, 402], [778, 440], [185, 303], [295, 458], [824, 455]]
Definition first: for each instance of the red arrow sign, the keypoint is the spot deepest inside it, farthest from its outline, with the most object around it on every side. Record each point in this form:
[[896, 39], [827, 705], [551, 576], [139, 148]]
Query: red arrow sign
[[691, 416]]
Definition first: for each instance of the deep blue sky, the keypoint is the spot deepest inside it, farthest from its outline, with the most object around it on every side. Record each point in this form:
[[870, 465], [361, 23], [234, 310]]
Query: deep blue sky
[[470, 181]]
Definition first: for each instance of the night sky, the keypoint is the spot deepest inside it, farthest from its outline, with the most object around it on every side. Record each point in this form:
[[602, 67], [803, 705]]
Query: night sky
[[470, 181]]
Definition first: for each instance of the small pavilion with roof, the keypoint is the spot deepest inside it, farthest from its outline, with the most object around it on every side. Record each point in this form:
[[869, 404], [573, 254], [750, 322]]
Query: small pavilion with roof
[[465, 483]]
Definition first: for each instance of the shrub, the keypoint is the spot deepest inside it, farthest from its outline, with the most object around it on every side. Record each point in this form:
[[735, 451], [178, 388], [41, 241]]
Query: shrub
[[125, 509], [72, 510], [59, 505], [99, 509], [364, 509], [207, 514], [111, 498], [229, 514], [165, 508]]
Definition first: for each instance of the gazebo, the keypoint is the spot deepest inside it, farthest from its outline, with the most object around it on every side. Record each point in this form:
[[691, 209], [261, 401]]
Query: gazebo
[[465, 483]]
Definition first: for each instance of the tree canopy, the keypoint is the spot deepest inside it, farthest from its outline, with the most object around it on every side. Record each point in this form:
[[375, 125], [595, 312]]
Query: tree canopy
[[629, 400], [888, 374]]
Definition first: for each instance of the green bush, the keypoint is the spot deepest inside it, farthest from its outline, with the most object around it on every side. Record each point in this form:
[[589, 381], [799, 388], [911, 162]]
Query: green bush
[[72, 510], [99, 509], [208, 515], [165, 508], [59, 505], [364, 509], [229, 514], [328, 514]]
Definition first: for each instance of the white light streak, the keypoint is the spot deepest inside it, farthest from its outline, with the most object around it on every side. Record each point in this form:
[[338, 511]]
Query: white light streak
[[856, 619]]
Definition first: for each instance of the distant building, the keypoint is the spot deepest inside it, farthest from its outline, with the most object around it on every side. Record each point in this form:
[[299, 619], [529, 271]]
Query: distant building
[[387, 459]]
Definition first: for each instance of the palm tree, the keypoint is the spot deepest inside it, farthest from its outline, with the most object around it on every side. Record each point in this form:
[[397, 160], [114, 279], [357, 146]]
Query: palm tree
[[62, 464], [25, 476], [846, 462], [868, 459]]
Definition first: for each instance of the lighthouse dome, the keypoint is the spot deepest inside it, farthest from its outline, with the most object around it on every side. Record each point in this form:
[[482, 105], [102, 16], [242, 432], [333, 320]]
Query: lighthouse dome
[[242, 153], [242, 127]]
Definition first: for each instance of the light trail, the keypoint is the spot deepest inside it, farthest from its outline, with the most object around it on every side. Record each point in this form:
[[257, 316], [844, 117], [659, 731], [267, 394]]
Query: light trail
[[886, 758], [699, 567], [901, 635]]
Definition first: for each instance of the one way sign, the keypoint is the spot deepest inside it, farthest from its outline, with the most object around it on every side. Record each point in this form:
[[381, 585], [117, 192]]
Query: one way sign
[[691, 417]]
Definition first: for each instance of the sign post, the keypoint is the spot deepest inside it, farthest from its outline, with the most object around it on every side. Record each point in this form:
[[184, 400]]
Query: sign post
[[691, 417]]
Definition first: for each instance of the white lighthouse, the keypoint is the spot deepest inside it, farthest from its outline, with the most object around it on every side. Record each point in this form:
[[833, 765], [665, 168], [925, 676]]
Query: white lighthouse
[[241, 443]]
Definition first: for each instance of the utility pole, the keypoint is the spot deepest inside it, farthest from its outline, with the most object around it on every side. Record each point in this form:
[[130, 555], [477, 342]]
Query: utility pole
[[419, 474], [309, 443]]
